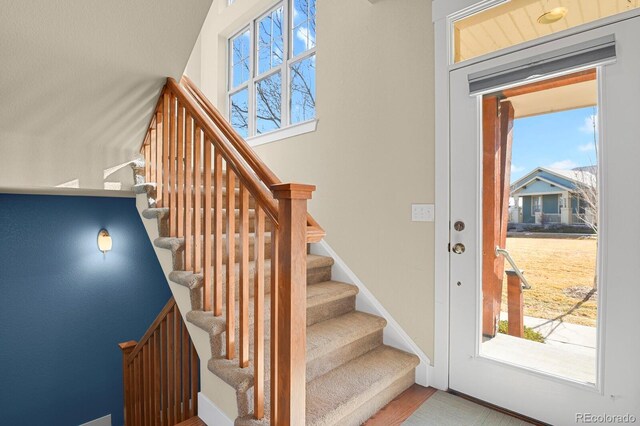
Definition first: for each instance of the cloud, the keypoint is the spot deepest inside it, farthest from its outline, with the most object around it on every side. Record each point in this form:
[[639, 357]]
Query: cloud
[[587, 147], [516, 169], [589, 122], [563, 165], [303, 34]]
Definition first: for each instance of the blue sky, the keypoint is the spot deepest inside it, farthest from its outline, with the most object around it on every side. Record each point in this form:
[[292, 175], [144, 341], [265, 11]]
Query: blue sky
[[561, 140]]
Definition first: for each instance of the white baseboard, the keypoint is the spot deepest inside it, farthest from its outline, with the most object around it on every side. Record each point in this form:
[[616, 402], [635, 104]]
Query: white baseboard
[[210, 413], [102, 421], [394, 335]]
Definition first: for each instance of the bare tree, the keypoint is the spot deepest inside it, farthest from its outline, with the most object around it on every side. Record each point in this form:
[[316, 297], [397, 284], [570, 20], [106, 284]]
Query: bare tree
[[587, 192], [269, 90]]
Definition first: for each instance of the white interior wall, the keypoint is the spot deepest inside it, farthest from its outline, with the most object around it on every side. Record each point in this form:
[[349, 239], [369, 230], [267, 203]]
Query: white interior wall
[[372, 154], [79, 82]]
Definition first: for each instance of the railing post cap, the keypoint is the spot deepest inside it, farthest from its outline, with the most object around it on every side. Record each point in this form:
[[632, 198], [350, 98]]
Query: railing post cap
[[128, 345], [292, 191], [511, 272]]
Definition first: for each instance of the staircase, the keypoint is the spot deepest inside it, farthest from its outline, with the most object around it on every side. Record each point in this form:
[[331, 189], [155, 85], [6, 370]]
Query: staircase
[[210, 195]]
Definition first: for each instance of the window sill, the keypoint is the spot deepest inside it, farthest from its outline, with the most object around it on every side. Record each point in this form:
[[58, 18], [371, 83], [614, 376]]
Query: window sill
[[284, 133]]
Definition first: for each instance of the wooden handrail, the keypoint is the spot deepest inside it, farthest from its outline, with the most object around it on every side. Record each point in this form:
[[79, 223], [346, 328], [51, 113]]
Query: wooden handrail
[[247, 177], [314, 230], [161, 373], [196, 159], [152, 328]]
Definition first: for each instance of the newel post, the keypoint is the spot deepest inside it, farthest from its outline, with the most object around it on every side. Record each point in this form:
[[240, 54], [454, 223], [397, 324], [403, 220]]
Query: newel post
[[127, 348], [288, 401], [515, 302]]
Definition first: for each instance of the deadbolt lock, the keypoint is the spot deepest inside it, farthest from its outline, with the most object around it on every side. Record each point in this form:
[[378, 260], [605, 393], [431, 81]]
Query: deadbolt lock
[[458, 248], [458, 226]]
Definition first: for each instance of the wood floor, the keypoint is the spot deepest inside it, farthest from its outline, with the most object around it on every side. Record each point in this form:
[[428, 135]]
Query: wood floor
[[193, 421], [399, 410]]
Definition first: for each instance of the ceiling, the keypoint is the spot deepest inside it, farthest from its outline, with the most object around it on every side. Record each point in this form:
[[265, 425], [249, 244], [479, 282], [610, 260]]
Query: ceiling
[[558, 99], [515, 22], [79, 81]]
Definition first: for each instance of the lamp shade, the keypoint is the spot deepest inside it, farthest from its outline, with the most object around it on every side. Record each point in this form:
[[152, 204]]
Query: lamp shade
[[104, 241]]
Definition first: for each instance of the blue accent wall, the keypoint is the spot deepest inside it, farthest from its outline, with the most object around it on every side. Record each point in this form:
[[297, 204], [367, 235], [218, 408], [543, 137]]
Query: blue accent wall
[[64, 306]]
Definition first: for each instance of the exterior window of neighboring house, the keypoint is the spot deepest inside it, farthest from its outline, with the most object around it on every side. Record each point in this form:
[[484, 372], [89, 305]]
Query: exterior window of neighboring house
[[272, 69], [536, 205]]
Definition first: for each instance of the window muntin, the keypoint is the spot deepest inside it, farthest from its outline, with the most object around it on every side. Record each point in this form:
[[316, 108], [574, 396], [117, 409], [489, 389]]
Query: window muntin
[[272, 81]]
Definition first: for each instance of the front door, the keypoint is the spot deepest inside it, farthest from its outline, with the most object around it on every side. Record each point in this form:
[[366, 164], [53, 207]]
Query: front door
[[534, 226]]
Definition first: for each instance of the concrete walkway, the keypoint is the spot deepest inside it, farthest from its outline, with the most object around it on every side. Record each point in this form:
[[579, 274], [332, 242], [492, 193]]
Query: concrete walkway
[[560, 333], [569, 350]]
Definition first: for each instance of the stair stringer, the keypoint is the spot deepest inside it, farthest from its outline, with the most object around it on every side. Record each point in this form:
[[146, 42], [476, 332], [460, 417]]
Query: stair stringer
[[218, 392], [393, 334]]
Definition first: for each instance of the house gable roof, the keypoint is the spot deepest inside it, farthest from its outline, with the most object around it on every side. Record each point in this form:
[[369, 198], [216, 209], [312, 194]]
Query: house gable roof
[[566, 179]]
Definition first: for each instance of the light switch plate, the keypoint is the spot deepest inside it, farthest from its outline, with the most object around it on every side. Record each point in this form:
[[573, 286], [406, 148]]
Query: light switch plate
[[422, 212]]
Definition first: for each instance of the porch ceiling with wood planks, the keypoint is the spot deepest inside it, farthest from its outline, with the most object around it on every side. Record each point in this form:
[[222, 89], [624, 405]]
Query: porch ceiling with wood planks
[[515, 22]]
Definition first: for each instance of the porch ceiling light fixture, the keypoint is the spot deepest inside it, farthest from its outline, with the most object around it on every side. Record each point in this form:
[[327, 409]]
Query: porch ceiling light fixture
[[104, 241], [554, 15]]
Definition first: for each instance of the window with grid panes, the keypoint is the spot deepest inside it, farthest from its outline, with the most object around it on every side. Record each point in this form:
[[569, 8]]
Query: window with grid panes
[[272, 69]]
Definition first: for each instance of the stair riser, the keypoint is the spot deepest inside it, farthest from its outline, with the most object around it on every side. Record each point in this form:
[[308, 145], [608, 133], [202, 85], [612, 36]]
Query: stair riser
[[164, 224], [342, 355], [335, 308], [372, 406]]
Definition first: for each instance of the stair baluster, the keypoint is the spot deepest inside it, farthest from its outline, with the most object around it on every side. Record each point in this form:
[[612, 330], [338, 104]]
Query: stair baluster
[[161, 373], [190, 171]]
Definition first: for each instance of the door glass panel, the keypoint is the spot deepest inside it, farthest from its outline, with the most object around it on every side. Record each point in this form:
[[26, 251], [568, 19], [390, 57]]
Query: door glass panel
[[516, 22], [540, 226]]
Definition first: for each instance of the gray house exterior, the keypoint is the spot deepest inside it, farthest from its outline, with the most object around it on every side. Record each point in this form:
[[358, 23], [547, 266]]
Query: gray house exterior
[[547, 195]]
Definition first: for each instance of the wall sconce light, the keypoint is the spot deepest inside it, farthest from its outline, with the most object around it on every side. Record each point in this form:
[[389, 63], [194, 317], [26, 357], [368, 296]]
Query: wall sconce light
[[104, 241]]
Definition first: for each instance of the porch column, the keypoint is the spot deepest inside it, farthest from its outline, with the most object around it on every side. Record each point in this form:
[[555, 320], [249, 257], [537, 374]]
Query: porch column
[[515, 213], [566, 215], [497, 142]]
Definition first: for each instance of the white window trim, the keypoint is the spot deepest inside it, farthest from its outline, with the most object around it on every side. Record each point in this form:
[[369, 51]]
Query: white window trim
[[284, 133], [286, 129]]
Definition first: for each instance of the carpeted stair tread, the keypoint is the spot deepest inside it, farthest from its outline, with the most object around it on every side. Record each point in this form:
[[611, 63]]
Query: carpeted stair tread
[[143, 188], [358, 331], [328, 291], [333, 398], [174, 243], [319, 294], [191, 280], [327, 336], [155, 212]]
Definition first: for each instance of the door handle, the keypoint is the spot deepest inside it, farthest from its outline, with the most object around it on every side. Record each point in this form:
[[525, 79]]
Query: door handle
[[458, 248]]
